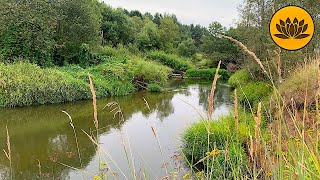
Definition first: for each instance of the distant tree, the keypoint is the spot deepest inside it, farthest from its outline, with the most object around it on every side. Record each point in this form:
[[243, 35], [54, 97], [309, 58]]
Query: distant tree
[[149, 37], [168, 32], [216, 48], [157, 18], [135, 13], [148, 15], [197, 32], [116, 26], [187, 48]]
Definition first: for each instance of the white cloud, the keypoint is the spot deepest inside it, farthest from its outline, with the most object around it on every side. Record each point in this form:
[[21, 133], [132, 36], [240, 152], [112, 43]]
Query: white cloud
[[197, 12]]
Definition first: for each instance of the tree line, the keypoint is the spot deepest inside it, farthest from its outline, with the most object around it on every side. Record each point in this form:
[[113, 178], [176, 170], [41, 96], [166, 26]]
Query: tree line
[[59, 32]]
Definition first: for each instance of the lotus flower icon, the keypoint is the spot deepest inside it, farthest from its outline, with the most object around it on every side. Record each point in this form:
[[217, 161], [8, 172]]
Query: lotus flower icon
[[293, 29]]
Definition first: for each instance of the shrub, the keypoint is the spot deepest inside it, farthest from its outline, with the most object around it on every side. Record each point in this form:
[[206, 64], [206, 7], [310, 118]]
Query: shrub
[[23, 84], [207, 73], [173, 61], [222, 131], [254, 92], [240, 78], [154, 88], [301, 83], [150, 71]]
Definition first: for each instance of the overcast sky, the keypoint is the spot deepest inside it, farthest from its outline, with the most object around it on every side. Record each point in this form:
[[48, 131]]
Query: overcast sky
[[188, 11]]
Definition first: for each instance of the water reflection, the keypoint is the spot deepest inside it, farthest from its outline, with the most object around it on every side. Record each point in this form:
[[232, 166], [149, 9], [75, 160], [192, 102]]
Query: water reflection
[[43, 144]]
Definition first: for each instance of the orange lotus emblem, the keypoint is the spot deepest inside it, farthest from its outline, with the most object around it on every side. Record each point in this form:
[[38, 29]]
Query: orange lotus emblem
[[293, 29]]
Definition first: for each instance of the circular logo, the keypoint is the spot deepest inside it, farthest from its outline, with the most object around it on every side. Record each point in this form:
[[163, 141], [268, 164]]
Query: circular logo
[[291, 28]]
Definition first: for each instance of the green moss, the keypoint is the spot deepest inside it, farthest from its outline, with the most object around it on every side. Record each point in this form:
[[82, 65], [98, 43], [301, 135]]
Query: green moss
[[207, 73], [221, 131], [240, 78]]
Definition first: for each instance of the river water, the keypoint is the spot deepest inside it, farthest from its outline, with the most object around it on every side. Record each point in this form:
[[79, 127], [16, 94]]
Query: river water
[[43, 144]]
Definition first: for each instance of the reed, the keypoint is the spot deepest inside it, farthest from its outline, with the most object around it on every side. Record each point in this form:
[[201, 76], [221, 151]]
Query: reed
[[8, 152], [236, 114], [211, 96], [246, 49]]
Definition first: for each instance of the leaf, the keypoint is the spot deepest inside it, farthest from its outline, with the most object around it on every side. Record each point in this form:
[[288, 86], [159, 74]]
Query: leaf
[[295, 21], [305, 27], [301, 23], [278, 28], [288, 21], [282, 23], [282, 36], [301, 36]]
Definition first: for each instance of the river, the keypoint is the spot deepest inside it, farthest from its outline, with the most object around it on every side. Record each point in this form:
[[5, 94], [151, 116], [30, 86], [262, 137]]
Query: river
[[43, 144]]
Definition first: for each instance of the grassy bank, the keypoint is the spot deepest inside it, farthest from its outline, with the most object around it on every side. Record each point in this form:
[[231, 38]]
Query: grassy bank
[[272, 132], [24, 84]]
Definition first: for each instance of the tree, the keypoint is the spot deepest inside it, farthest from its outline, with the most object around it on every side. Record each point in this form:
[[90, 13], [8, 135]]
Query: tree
[[116, 27], [197, 32], [216, 48], [148, 38], [27, 30], [187, 48], [79, 24], [168, 32]]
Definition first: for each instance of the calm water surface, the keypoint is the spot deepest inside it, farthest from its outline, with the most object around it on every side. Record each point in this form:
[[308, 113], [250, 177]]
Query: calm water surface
[[43, 142]]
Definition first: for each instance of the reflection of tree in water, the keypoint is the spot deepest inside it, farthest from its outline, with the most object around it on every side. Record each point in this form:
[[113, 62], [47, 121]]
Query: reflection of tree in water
[[43, 132], [221, 95]]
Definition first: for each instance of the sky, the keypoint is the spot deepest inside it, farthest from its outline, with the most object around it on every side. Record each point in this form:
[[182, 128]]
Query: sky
[[187, 11]]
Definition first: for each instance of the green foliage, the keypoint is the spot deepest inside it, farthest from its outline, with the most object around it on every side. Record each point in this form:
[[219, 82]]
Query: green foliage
[[149, 37], [171, 60], [154, 88], [79, 24], [24, 84], [207, 73], [222, 132], [301, 85], [253, 93], [168, 31], [240, 78], [150, 71], [187, 48], [27, 31], [116, 26]]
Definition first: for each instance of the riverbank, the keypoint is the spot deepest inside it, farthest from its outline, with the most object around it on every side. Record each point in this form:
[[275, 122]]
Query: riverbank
[[271, 132], [120, 73]]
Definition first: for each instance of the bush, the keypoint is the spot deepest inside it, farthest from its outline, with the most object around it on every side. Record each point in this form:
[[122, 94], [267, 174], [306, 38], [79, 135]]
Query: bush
[[173, 61], [154, 88], [23, 84], [240, 78], [207, 73], [222, 131], [301, 83], [253, 93], [150, 71]]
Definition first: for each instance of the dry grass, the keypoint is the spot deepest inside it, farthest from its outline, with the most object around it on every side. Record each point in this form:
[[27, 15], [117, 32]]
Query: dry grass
[[246, 49], [236, 114], [211, 96], [8, 152], [94, 103]]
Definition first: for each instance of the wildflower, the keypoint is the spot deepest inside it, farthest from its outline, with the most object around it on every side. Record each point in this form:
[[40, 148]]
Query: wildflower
[[199, 174], [186, 176], [310, 131], [96, 178], [213, 153], [269, 174]]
